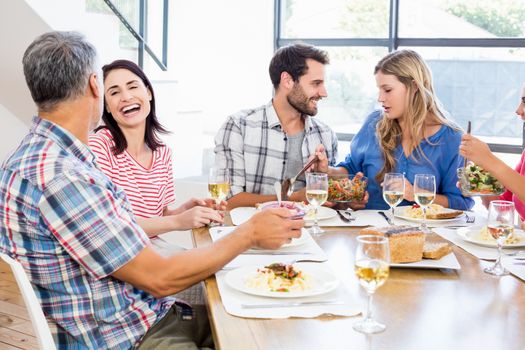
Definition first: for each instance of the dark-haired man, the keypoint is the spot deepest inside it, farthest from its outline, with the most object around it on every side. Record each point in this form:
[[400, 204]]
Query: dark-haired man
[[99, 282], [272, 142]]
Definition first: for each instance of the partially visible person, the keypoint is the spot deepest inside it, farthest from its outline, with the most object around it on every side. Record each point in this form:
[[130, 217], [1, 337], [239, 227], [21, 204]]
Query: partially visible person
[[270, 143], [130, 152], [98, 280], [410, 135], [478, 151]]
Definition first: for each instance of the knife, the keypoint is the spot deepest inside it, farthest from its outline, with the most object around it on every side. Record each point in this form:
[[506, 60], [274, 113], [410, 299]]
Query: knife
[[266, 252], [382, 213], [291, 304]]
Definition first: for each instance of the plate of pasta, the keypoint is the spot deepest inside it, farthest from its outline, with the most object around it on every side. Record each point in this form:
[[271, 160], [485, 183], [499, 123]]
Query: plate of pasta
[[280, 280], [480, 235], [435, 213]]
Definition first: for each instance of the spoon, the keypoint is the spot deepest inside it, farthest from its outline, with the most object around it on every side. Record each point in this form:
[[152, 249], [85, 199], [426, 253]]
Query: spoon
[[277, 186], [287, 186]]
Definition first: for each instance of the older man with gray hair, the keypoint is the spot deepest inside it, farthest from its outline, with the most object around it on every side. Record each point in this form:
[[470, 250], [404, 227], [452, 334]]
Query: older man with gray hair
[[100, 283]]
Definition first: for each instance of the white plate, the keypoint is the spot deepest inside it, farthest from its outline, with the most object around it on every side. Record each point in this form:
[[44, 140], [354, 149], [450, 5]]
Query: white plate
[[400, 213], [323, 281], [323, 213], [449, 261], [243, 214], [470, 234], [296, 242]]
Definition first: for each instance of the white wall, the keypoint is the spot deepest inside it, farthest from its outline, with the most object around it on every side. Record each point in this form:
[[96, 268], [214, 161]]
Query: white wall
[[219, 53], [12, 132]]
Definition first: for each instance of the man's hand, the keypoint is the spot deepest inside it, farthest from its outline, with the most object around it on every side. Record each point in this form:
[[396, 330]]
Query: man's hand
[[271, 228], [321, 166]]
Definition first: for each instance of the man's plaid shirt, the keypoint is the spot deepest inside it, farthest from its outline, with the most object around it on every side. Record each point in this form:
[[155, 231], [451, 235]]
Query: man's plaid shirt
[[71, 228], [252, 145]]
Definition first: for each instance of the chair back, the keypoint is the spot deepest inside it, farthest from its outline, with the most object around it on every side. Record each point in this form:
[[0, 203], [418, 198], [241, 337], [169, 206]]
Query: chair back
[[38, 320]]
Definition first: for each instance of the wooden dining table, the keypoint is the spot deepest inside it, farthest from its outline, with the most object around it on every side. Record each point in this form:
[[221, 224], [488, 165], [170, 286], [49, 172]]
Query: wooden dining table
[[421, 308]]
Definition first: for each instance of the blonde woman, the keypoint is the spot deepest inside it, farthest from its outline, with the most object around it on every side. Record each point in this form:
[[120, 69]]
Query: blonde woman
[[410, 135]]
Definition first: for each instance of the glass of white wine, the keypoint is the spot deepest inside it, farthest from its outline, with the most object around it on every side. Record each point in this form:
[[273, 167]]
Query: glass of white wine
[[316, 194], [424, 194], [372, 259], [393, 190], [218, 185], [500, 225]]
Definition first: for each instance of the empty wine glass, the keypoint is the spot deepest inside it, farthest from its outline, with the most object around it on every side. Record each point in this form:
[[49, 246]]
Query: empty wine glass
[[393, 190], [500, 225], [218, 185], [372, 258], [316, 194], [424, 194]]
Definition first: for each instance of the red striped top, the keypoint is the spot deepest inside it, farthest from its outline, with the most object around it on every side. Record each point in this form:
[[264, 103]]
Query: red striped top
[[148, 190]]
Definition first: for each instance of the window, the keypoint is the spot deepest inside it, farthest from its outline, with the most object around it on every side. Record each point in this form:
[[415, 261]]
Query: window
[[475, 49]]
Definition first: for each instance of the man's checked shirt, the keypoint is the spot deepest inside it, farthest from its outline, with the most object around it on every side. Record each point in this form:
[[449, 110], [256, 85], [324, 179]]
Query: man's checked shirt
[[252, 145], [71, 228]]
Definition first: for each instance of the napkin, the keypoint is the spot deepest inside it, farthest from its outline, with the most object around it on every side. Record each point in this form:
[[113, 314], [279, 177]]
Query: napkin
[[308, 250], [480, 252], [233, 299], [517, 270], [365, 217], [362, 218]]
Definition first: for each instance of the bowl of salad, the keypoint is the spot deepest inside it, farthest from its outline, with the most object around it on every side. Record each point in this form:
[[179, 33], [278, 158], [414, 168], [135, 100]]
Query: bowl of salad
[[297, 209], [346, 188], [476, 181]]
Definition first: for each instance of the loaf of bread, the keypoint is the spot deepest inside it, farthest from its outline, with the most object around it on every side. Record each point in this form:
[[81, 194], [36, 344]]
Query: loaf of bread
[[444, 215], [436, 250], [406, 242]]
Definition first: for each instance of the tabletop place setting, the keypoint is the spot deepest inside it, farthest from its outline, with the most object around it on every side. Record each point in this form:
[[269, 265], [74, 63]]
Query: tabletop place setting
[[298, 280]]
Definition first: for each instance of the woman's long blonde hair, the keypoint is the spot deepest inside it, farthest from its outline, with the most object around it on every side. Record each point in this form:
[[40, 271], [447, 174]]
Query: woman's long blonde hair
[[421, 102]]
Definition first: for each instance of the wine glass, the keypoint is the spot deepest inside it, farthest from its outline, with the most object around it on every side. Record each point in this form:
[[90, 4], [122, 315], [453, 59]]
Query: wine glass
[[500, 225], [393, 190], [372, 258], [316, 194], [424, 194], [218, 185]]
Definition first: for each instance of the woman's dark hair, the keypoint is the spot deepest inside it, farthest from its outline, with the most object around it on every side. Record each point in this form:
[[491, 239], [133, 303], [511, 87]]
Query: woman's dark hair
[[292, 59], [153, 127]]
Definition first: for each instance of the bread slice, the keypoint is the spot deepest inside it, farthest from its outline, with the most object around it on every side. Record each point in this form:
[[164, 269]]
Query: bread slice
[[405, 242], [435, 250], [444, 215]]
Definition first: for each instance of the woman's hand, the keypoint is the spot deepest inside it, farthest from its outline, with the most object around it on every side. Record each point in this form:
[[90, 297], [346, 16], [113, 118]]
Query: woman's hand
[[475, 150], [198, 216], [205, 202], [360, 204], [409, 191]]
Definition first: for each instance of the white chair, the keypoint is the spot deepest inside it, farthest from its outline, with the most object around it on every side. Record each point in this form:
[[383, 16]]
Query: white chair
[[40, 326]]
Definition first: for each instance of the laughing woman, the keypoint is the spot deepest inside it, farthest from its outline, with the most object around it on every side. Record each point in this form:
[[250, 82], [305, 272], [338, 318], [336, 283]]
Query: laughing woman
[[130, 152], [410, 135]]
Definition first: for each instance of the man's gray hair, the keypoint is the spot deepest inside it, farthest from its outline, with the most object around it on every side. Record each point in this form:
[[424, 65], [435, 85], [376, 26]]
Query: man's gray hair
[[57, 66]]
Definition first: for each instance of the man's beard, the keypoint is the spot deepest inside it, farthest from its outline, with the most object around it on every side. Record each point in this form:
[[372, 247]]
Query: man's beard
[[298, 100]]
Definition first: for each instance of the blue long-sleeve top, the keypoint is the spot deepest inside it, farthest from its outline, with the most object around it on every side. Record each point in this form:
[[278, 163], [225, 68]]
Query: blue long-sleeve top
[[442, 160]]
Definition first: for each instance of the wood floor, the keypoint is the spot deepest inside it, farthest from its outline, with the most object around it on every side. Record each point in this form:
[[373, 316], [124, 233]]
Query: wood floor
[[16, 331]]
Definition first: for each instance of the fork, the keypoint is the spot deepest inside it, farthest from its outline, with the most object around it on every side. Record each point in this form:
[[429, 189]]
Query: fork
[[470, 219], [346, 215], [514, 253], [343, 217]]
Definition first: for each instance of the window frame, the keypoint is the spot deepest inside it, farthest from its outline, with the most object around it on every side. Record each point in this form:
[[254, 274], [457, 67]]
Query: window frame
[[393, 42]]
